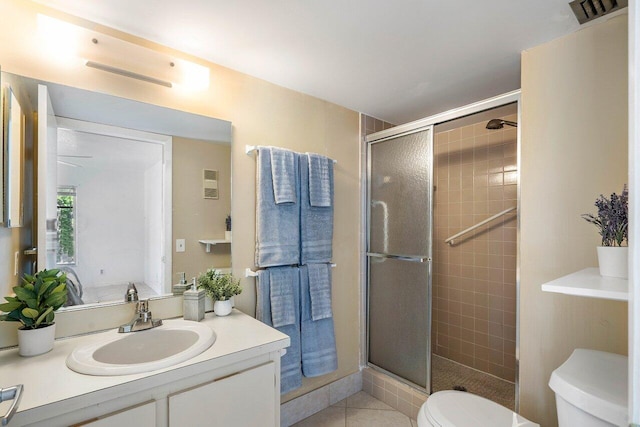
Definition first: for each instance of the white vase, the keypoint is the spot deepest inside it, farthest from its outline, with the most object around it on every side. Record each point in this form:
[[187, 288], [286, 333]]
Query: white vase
[[222, 308], [613, 261], [227, 235], [32, 342]]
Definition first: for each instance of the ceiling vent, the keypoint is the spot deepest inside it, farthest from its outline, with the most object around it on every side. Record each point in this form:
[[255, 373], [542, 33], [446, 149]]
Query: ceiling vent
[[588, 10], [210, 184]]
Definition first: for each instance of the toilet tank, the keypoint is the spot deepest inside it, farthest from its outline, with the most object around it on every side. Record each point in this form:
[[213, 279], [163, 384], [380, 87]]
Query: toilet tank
[[591, 389]]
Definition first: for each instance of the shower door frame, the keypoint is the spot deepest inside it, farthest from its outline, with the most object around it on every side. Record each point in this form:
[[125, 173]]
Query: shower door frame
[[405, 257], [412, 127]]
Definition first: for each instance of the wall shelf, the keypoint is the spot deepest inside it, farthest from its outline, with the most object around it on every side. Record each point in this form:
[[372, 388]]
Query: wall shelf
[[212, 242], [589, 283]]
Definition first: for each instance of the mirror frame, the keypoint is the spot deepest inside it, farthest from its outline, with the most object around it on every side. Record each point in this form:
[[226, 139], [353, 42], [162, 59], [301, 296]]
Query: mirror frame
[[12, 158]]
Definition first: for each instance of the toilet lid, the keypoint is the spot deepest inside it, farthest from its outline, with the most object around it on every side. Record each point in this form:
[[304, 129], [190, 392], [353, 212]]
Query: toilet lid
[[461, 409]]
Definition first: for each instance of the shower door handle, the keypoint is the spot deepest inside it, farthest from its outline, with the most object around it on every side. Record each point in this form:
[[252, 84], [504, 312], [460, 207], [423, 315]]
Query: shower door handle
[[410, 258], [11, 393]]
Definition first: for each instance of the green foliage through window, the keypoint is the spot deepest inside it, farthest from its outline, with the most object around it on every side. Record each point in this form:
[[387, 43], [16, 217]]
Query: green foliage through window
[[66, 252]]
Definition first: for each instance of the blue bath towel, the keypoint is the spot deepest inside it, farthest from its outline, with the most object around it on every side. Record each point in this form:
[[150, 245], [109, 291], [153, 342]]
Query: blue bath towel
[[284, 175], [318, 340], [277, 225], [290, 372], [316, 223], [319, 290], [320, 180], [283, 302]]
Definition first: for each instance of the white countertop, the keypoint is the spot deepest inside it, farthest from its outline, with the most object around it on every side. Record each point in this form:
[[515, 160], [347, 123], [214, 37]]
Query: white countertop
[[47, 379]]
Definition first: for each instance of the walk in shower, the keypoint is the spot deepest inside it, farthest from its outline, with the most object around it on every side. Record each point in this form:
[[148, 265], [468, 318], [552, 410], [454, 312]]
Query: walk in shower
[[441, 312]]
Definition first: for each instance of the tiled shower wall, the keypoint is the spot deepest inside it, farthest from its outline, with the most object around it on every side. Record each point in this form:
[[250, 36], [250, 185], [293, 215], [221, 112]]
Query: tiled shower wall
[[370, 124], [474, 281]]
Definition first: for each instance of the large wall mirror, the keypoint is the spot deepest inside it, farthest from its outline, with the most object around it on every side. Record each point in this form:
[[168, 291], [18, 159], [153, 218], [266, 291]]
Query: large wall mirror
[[121, 193]]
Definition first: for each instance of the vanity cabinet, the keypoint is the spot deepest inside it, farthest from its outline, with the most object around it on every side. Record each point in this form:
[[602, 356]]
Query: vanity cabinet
[[245, 399], [143, 415], [236, 382], [244, 394]]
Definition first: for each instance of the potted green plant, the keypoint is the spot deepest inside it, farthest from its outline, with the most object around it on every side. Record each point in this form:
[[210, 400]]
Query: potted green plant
[[221, 288], [34, 304], [612, 222]]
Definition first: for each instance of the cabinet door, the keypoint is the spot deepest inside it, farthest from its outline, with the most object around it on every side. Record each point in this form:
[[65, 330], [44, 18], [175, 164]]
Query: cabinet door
[[143, 415], [245, 399]]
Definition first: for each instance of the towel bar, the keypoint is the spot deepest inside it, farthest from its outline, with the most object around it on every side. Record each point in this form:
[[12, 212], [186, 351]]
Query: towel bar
[[251, 273], [249, 149]]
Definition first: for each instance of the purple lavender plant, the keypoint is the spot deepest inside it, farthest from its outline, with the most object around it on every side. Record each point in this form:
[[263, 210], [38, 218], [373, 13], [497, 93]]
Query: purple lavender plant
[[612, 220]]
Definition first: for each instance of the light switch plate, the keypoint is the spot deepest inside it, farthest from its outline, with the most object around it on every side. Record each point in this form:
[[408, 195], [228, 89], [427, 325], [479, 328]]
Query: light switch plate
[[180, 243]]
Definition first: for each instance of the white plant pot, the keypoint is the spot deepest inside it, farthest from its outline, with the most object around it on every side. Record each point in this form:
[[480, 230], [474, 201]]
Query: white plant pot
[[613, 261], [227, 235], [222, 308], [32, 342]]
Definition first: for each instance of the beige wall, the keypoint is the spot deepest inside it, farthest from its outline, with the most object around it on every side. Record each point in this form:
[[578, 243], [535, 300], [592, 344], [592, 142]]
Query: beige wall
[[262, 114], [574, 147], [194, 217]]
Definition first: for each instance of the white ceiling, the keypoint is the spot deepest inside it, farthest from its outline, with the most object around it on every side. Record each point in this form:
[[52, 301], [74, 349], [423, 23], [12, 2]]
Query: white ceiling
[[396, 60]]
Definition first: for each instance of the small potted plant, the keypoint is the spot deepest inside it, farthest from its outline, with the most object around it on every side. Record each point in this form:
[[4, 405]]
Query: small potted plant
[[227, 223], [221, 288], [34, 304], [612, 222]]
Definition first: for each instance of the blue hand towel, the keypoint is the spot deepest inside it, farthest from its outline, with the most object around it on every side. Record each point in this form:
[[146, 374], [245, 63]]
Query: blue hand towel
[[319, 290], [320, 168], [290, 369], [283, 175], [282, 293], [318, 340], [277, 225], [316, 223]]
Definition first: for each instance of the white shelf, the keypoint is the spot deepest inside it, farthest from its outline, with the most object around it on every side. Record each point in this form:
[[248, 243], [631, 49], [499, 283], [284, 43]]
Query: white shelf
[[589, 283], [212, 242]]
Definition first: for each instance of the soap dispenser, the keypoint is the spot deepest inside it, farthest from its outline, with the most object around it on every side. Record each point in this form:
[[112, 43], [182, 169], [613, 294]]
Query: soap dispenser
[[179, 288], [193, 303]]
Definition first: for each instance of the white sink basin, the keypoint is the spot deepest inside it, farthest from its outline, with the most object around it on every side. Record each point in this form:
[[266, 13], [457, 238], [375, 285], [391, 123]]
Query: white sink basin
[[132, 353]]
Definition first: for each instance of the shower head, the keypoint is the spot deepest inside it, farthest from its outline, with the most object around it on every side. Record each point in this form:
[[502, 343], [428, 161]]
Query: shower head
[[499, 124]]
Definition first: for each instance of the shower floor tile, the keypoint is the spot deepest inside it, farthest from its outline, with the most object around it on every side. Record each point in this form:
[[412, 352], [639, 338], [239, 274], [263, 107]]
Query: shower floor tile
[[447, 374]]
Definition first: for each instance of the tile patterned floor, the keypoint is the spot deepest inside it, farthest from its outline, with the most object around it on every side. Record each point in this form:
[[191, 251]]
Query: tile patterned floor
[[358, 410]]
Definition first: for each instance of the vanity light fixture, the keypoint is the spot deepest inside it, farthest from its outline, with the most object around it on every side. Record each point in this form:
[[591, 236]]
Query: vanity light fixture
[[126, 73], [114, 55]]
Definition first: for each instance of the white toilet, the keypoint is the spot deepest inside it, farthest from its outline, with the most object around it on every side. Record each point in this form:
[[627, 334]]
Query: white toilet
[[461, 409], [590, 387]]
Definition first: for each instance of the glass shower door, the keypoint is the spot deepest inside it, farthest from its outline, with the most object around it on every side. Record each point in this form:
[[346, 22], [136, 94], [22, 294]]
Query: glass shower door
[[399, 255]]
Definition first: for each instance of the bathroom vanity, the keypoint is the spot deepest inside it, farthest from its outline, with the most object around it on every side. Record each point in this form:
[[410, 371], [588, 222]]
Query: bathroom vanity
[[234, 382]]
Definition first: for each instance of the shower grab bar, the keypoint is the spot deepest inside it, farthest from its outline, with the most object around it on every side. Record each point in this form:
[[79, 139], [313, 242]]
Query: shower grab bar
[[480, 224], [400, 257]]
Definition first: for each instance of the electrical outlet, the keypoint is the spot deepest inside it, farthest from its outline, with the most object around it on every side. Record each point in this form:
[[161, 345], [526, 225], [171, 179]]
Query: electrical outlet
[[180, 243]]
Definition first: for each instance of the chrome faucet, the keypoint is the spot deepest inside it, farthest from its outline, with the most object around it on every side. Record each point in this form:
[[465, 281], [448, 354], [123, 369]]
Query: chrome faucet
[[131, 294], [142, 320]]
